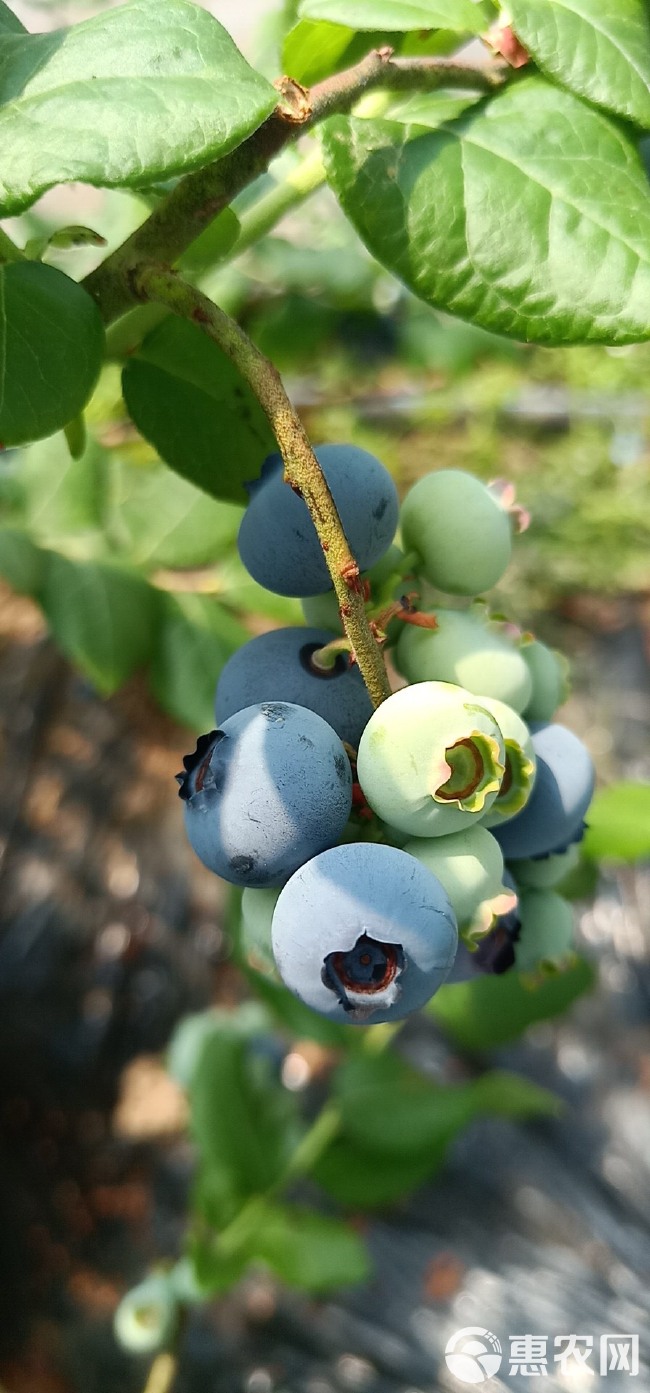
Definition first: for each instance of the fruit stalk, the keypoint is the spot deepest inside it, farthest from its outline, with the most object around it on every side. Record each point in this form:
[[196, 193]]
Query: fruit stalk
[[302, 470]]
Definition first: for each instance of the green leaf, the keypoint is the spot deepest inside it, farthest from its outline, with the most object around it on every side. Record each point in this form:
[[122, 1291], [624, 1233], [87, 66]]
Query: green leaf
[[502, 1094], [600, 51], [168, 522], [501, 218], [293, 1015], [618, 823], [242, 1121], [361, 1178], [51, 347], [136, 94], [62, 496], [489, 1011], [387, 1105], [190, 402], [22, 564], [194, 639], [309, 1250], [461, 15], [191, 1033], [314, 49], [431, 110], [102, 617], [9, 22]]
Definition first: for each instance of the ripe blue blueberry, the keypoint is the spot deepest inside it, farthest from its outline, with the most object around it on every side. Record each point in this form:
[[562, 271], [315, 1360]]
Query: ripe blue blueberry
[[264, 793], [363, 933], [278, 543], [278, 666], [554, 814]]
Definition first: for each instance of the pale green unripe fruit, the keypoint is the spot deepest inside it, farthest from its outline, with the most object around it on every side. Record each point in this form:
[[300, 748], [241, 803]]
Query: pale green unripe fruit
[[458, 529], [145, 1319], [469, 866], [465, 650], [257, 908], [546, 937], [549, 672], [521, 764], [322, 611], [430, 768], [543, 872]]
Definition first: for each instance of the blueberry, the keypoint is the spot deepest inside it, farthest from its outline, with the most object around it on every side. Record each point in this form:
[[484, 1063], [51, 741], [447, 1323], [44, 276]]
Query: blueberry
[[519, 777], [278, 543], [277, 666], [554, 814], [363, 933], [469, 865], [543, 872], [549, 671], [459, 529], [545, 939], [430, 764], [467, 649], [146, 1317], [266, 792]]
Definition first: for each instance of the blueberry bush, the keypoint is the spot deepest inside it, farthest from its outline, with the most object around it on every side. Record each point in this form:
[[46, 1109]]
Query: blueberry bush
[[381, 776]]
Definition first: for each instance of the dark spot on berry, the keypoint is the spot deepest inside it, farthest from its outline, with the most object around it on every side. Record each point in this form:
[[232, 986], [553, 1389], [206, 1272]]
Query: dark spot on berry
[[243, 865], [379, 511], [272, 711], [342, 766]]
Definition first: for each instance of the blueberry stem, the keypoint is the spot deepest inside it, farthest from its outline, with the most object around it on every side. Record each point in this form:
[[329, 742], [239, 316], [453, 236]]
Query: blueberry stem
[[301, 468], [324, 659]]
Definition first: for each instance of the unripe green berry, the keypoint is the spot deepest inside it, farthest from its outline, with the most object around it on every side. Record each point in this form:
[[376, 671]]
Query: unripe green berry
[[519, 777], [543, 872], [145, 1319], [466, 650], [546, 936], [458, 529], [430, 768], [469, 865], [257, 908], [549, 671]]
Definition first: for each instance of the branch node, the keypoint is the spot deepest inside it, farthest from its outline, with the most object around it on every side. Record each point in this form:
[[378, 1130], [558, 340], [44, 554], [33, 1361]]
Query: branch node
[[295, 105]]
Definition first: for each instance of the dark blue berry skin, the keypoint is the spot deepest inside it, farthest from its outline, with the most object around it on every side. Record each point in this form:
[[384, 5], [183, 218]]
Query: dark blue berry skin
[[278, 543], [266, 792], [554, 814], [276, 667], [364, 933]]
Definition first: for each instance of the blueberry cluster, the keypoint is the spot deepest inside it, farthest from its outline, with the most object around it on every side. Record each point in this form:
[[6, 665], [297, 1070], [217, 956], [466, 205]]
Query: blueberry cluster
[[366, 840]]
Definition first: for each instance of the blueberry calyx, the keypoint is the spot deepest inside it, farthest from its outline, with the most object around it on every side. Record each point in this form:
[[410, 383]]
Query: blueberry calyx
[[365, 971], [196, 765]]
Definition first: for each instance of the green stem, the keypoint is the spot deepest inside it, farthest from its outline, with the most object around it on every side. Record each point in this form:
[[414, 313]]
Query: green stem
[[302, 470], [162, 1373], [124, 337], [198, 198], [257, 221], [8, 249]]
